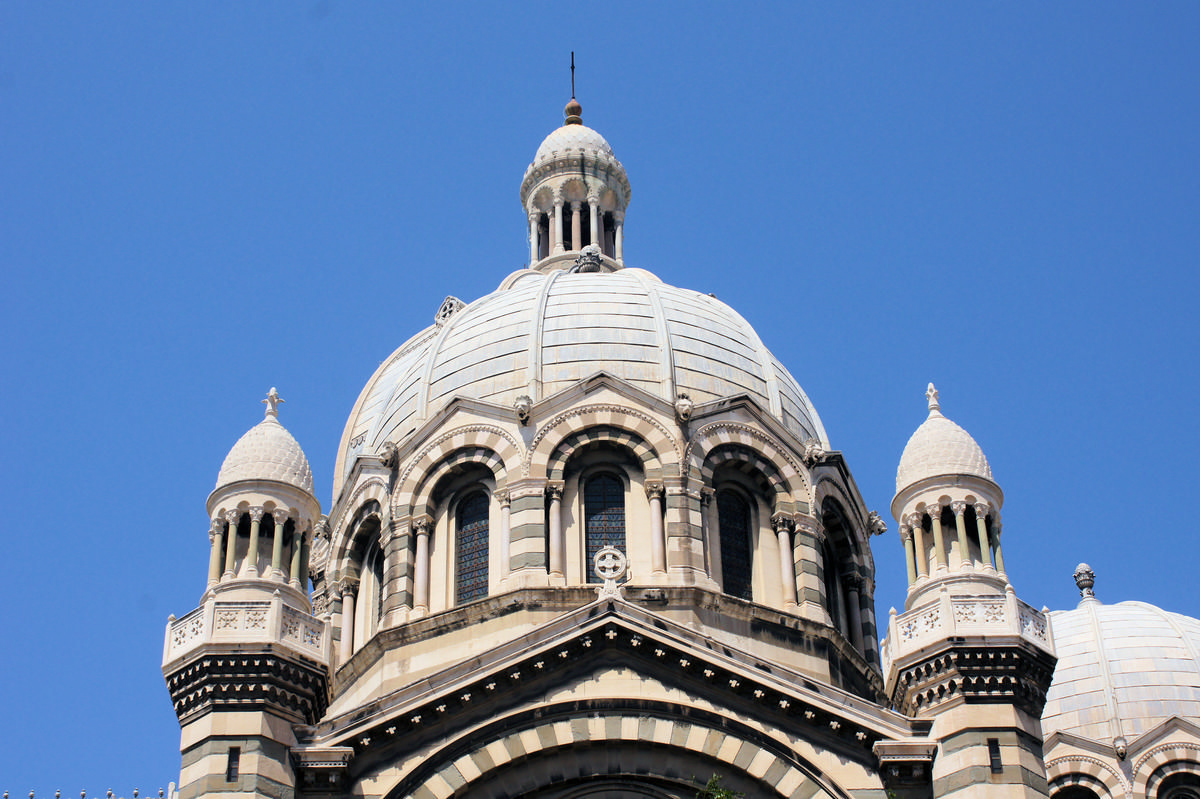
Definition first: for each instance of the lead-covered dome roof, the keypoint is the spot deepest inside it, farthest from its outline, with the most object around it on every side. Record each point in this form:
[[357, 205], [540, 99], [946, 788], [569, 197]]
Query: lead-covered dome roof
[[940, 447], [267, 451], [1122, 670], [544, 332]]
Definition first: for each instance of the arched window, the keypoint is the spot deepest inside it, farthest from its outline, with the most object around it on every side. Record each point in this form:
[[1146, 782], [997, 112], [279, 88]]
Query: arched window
[[471, 548], [733, 521], [1180, 786], [604, 518], [1075, 792]]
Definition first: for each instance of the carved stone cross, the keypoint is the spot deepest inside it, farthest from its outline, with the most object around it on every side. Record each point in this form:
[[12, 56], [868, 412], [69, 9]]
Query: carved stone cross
[[272, 402], [611, 564]]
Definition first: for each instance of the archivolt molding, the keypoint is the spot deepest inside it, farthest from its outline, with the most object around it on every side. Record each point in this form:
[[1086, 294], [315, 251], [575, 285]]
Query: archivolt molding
[[442, 771], [768, 472], [651, 466], [484, 436], [372, 489], [1087, 770], [1149, 769], [658, 437], [483, 456], [713, 435]]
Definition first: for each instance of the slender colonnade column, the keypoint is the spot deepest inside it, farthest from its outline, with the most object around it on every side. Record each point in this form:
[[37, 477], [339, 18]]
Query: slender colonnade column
[[279, 521], [939, 538], [985, 546], [534, 244], [914, 521], [558, 556], [558, 226], [232, 517], [960, 524], [658, 543], [996, 528], [505, 530], [421, 578], [349, 597], [216, 535], [593, 217], [298, 542], [787, 563], [576, 225], [250, 568], [619, 238], [910, 559], [854, 585], [708, 529]]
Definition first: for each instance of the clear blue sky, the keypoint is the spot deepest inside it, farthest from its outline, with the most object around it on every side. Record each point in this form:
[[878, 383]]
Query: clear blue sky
[[199, 201]]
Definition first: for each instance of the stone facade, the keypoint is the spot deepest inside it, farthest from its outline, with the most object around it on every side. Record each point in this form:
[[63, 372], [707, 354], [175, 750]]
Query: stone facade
[[590, 539]]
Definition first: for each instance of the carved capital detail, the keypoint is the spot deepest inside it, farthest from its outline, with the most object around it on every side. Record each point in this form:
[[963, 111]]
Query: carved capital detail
[[554, 491], [503, 498], [216, 526], [233, 516], [906, 533], [981, 509], [655, 490], [782, 523], [934, 509], [959, 507], [914, 520], [422, 525]]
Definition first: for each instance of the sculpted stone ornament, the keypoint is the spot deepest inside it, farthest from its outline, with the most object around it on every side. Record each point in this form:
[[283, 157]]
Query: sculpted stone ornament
[[387, 454], [1085, 579], [589, 258], [272, 402], [814, 453], [523, 405], [684, 407], [611, 565], [450, 306], [876, 524]]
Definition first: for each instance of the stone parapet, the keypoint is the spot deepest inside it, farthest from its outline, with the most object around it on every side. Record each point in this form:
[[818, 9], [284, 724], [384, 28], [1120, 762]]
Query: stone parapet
[[267, 621]]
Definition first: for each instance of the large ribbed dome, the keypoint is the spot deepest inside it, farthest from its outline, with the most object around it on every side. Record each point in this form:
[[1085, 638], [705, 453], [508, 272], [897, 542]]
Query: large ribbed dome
[[1122, 670], [545, 332], [267, 452], [939, 447]]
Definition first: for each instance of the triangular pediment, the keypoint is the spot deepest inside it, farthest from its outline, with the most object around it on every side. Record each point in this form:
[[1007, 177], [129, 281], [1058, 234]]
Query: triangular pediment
[[612, 633]]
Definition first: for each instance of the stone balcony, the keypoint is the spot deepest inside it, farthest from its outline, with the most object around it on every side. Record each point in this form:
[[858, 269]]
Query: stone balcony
[[963, 617], [233, 624]]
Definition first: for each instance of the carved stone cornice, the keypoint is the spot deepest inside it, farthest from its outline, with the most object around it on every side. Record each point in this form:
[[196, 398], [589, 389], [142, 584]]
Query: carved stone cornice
[[216, 682], [1014, 674]]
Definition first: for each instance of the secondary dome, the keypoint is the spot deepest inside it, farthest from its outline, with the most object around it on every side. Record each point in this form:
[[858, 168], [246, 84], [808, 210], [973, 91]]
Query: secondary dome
[[572, 138], [939, 446], [1122, 670], [267, 451], [544, 332]]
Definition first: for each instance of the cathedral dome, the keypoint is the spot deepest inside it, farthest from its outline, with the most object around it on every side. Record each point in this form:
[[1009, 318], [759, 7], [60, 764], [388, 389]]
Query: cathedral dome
[[267, 451], [1122, 670], [544, 332], [940, 447]]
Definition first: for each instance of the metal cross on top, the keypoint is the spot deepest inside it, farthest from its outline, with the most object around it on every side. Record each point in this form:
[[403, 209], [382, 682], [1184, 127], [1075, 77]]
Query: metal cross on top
[[611, 564]]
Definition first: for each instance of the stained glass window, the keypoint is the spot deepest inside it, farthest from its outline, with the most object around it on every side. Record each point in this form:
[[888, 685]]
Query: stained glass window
[[472, 548], [733, 516], [604, 518]]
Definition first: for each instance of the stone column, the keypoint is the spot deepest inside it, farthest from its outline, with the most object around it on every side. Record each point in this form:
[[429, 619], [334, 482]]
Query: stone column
[[558, 553], [250, 567], [299, 542], [985, 546], [996, 529], [576, 225], [910, 559], [277, 545], [600, 233], [505, 501], [300, 580], [854, 585], [349, 600], [619, 238], [918, 529], [534, 244], [658, 542], [558, 227], [216, 535], [782, 525], [960, 524], [939, 539], [593, 218], [231, 516], [422, 526]]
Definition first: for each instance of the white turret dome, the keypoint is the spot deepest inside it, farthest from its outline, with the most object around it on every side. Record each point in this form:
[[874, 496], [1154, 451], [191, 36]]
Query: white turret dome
[[940, 447], [572, 138], [267, 451]]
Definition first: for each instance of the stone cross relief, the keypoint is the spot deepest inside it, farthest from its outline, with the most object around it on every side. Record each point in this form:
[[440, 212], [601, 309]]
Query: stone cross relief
[[272, 402], [611, 564]]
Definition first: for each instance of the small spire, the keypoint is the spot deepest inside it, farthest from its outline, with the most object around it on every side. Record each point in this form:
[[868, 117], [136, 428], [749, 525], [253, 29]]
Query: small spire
[[574, 111], [1085, 579], [272, 402], [931, 394]]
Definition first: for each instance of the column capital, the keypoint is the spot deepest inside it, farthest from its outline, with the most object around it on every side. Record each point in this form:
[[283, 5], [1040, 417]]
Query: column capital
[[503, 498], [256, 513], [982, 509], [216, 526], [906, 532], [997, 529], [423, 525], [347, 586], [782, 523], [554, 490], [934, 509], [534, 216], [913, 520], [853, 581], [576, 205], [232, 516], [655, 490], [707, 494], [281, 515], [959, 507]]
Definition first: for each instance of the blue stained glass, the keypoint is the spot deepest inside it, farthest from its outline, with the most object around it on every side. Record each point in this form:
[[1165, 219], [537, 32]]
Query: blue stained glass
[[604, 518], [733, 516], [471, 580]]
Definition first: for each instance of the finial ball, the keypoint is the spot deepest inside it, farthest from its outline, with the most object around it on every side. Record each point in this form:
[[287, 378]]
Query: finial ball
[[573, 113]]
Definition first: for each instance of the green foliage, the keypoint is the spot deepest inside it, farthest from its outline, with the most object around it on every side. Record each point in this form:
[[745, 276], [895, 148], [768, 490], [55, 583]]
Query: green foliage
[[714, 790]]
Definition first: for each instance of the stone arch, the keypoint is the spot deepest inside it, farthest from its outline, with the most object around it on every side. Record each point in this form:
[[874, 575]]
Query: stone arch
[[713, 435], [583, 439], [548, 439], [1089, 772], [371, 490], [758, 469], [367, 509], [1163, 762], [532, 749], [423, 501], [482, 436]]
